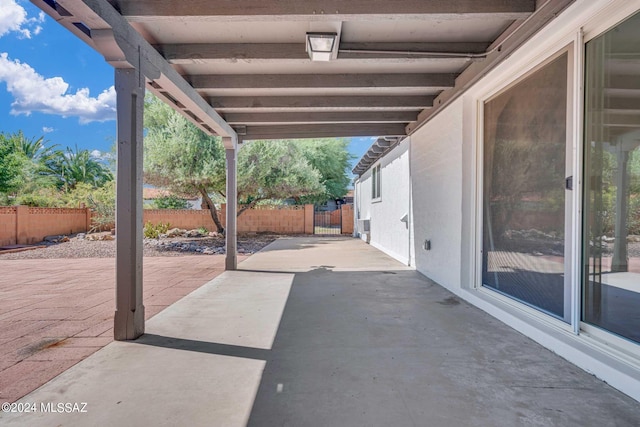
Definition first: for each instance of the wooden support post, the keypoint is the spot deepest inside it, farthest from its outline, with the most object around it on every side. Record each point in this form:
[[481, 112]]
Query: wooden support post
[[231, 230], [620, 260], [129, 315]]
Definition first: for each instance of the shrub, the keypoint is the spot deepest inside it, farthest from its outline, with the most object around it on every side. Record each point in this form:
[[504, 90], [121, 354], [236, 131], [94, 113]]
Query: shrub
[[101, 201], [170, 202], [44, 197], [152, 231]]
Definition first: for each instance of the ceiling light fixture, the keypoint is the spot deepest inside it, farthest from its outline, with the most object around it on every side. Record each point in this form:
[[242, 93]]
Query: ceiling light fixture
[[321, 46]]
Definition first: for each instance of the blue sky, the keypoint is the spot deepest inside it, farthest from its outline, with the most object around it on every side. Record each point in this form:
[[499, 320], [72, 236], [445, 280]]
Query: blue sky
[[53, 85]]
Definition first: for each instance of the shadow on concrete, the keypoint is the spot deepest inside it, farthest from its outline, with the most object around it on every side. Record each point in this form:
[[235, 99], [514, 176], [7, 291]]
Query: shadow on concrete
[[203, 347], [309, 242]]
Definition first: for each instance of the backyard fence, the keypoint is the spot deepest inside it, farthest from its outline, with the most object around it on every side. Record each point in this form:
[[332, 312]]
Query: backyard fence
[[26, 225], [273, 219]]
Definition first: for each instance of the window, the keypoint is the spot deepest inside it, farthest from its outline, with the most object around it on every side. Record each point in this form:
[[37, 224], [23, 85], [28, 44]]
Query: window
[[525, 152], [611, 240], [375, 183]]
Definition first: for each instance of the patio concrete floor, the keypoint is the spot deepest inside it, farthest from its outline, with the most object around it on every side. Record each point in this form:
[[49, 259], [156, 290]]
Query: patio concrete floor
[[326, 332]]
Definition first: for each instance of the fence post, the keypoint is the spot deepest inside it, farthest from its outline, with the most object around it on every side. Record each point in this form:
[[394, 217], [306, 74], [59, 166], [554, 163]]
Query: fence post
[[22, 225], [308, 219]]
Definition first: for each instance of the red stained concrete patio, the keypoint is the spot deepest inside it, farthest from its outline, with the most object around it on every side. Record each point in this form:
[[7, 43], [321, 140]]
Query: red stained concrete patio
[[56, 312]]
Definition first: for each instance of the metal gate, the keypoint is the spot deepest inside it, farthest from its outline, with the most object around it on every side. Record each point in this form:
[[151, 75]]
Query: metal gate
[[327, 222]]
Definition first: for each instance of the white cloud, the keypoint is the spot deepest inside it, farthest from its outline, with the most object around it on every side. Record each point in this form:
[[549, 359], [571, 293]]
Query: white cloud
[[101, 155], [13, 18], [47, 129], [32, 92]]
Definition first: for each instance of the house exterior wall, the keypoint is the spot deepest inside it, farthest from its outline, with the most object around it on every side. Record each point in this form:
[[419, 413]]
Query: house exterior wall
[[436, 177], [446, 198], [362, 202], [388, 232]]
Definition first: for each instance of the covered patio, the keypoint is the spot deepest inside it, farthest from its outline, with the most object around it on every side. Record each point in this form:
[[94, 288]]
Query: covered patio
[[276, 70], [327, 331], [310, 332]]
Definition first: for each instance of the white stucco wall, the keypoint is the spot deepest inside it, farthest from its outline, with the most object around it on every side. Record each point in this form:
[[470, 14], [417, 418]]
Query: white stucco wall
[[436, 176], [388, 232], [362, 200]]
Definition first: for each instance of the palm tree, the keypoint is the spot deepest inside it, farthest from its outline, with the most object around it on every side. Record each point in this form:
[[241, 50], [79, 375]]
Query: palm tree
[[73, 167], [34, 149]]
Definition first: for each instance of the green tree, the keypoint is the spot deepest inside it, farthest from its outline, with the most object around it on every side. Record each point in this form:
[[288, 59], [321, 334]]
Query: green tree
[[22, 166], [182, 158], [275, 169], [71, 168], [12, 164], [170, 202], [331, 158], [34, 149]]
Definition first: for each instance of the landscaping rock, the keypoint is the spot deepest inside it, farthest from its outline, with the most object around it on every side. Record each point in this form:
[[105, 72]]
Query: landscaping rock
[[176, 232], [100, 237], [56, 239], [94, 245], [193, 233]]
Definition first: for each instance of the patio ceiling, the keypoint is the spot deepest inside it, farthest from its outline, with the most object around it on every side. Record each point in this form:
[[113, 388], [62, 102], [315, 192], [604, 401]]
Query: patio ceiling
[[241, 66]]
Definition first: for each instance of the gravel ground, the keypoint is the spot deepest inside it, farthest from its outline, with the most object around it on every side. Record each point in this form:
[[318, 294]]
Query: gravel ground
[[79, 247]]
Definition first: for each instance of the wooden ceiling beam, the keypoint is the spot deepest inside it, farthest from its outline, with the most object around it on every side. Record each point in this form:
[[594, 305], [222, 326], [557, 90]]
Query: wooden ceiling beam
[[321, 131], [321, 10], [321, 117], [227, 104], [436, 82], [205, 53]]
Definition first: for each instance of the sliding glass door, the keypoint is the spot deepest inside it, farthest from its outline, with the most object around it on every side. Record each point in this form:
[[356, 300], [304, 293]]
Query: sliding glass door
[[611, 249], [525, 186]]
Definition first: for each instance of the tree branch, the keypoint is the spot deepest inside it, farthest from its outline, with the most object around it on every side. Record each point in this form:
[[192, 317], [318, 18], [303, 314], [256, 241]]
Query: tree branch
[[212, 209], [249, 206]]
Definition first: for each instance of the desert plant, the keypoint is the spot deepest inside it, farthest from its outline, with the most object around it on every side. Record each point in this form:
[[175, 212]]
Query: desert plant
[[153, 231], [101, 201]]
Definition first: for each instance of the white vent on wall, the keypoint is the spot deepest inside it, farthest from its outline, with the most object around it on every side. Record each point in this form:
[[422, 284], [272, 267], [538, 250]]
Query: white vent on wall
[[364, 225]]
